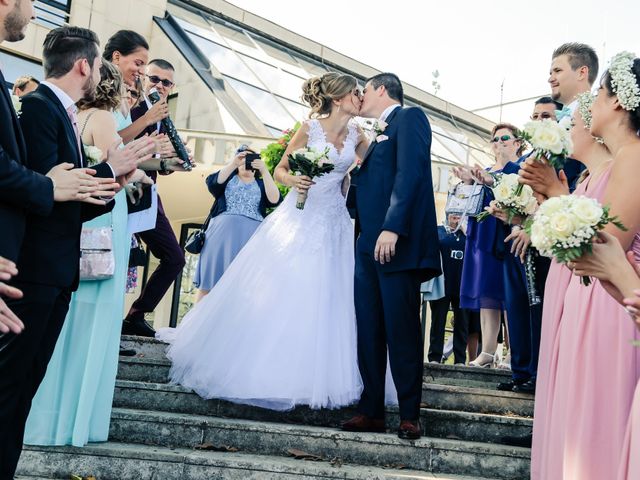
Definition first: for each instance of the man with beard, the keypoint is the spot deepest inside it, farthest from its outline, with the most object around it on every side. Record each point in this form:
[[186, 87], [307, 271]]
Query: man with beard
[[48, 262], [22, 189]]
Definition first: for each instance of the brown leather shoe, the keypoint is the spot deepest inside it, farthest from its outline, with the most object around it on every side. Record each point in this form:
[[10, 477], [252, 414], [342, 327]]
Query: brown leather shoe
[[362, 423], [409, 430]]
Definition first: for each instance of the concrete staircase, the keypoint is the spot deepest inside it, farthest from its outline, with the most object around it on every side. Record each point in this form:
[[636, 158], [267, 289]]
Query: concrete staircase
[[161, 431]]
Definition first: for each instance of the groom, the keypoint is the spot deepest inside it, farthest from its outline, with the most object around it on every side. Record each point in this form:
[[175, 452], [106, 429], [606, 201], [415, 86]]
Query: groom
[[397, 250]]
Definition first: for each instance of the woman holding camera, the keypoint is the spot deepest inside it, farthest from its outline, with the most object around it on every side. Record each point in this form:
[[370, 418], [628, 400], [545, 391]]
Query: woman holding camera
[[243, 190]]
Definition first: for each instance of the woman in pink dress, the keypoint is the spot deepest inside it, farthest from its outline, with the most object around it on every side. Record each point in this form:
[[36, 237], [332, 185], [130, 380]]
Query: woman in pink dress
[[588, 365]]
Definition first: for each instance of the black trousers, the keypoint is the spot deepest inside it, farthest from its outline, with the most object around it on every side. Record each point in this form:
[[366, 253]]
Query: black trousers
[[461, 320], [388, 315], [23, 363]]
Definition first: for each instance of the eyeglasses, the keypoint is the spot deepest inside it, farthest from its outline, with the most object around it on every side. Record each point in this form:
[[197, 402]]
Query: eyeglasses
[[541, 116], [503, 138], [154, 79]]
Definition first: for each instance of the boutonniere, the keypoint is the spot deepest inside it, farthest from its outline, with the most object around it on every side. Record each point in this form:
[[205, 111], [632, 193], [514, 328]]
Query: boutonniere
[[381, 138], [17, 104], [94, 154]]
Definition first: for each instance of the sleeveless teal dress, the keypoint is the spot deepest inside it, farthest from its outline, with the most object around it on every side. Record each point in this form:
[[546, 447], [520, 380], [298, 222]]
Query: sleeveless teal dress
[[73, 403]]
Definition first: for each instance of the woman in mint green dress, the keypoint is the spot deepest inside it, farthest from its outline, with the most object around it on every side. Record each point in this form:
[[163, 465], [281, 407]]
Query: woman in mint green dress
[[73, 403]]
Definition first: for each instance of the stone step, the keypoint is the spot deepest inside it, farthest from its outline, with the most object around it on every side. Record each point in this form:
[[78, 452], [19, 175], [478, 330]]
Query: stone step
[[151, 365], [118, 461], [471, 426], [367, 449]]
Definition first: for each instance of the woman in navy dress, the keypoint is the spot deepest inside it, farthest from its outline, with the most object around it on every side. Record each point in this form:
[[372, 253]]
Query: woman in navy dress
[[242, 198], [482, 286]]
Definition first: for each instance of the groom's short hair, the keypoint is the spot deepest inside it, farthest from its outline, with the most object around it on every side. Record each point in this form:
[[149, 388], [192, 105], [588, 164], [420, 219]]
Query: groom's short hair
[[580, 55], [64, 46], [392, 85]]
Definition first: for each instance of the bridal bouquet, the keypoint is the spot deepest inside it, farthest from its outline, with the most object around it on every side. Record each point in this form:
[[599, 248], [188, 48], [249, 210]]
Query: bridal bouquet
[[564, 227], [310, 162], [94, 155], [550, 141], [515, 203]]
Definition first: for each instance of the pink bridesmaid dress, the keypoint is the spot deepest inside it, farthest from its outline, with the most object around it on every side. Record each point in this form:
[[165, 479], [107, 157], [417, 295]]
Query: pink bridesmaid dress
[[586, 377], [630, 462]]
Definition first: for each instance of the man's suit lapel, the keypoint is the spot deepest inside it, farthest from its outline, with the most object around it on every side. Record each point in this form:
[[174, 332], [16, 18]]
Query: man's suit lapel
[[68, 126], [22, 148], [373, 144]]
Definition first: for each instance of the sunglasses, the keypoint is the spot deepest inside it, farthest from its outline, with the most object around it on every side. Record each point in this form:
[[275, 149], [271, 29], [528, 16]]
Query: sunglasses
[[541, 116], [154, 79], [503, 138]]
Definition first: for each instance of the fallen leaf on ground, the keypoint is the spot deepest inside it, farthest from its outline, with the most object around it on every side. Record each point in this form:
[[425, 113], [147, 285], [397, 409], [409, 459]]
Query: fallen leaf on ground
[[301, 455], [216, 448]]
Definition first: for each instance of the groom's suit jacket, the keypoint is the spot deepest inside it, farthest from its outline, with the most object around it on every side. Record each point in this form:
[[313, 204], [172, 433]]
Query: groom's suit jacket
[[21, 190], [50, 253], [395, 192]]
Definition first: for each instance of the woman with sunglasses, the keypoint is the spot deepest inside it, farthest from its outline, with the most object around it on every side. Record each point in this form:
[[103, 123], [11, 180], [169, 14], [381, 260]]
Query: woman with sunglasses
[[482, 286]]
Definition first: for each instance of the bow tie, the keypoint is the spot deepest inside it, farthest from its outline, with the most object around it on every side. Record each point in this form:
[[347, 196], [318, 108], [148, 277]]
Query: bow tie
[[565, 112]]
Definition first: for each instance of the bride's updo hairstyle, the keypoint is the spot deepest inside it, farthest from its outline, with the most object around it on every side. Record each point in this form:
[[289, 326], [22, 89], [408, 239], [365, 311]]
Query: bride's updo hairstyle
[[625, 83], [320, 92]]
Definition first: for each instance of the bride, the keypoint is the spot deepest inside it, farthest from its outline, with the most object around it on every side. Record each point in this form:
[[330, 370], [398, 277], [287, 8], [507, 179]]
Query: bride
[[279, 328]]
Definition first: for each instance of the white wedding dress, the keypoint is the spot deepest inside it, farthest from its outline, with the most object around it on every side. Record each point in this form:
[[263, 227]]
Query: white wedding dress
[[279, 328]]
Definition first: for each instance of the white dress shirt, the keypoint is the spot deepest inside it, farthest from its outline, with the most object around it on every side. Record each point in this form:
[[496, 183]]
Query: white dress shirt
[[384, 115]]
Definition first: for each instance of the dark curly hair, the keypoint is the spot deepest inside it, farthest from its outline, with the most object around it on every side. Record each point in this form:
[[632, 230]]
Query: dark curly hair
[[108, 91]]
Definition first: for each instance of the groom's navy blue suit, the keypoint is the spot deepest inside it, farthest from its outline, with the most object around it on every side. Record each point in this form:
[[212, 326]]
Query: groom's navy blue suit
[[394, 192]]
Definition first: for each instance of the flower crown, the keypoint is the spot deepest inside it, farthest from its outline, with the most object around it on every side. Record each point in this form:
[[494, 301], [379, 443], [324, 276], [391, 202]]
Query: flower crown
[[585, 100], [624, 81]]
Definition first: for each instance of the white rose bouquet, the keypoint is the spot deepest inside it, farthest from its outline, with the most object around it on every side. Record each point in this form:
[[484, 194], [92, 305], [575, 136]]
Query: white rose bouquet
[[515, 203], [17, 105], [551, 142], [312, 163], [564, 227], [94, 154]]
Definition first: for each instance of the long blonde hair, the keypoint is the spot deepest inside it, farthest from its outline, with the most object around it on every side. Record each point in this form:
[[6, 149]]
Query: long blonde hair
[[320, 92]]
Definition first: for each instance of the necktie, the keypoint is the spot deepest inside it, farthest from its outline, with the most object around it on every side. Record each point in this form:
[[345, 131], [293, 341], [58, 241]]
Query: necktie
[[71, 111]]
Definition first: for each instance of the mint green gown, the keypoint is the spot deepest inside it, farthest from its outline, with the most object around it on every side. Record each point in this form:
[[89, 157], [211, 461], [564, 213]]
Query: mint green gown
[[73, 403]]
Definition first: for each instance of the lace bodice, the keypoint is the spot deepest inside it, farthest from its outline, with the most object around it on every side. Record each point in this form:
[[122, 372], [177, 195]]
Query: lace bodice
[[242, 198], [342, 159]]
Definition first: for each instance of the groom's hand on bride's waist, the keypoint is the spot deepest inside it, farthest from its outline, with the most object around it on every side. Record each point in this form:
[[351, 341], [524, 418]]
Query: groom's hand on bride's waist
[[385, 247]]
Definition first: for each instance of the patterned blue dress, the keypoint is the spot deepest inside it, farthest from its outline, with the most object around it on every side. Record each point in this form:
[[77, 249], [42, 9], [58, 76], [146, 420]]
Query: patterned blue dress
[[228, 232]]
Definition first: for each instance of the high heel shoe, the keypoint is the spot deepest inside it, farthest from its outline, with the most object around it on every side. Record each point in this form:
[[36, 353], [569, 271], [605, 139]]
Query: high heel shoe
[[484, 360]]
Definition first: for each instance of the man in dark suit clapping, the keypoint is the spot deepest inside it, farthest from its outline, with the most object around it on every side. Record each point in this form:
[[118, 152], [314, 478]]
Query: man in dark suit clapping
[[48, 261]]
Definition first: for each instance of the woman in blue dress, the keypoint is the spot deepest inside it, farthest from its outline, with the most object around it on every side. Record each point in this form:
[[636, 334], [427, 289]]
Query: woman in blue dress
[[482, 285], [73, 403], [242, 198]]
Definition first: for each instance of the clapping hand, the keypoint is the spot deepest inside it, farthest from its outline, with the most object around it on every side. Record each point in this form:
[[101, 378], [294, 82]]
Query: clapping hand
[[125, 160], [9, 322], [79, 184], [542, 178]]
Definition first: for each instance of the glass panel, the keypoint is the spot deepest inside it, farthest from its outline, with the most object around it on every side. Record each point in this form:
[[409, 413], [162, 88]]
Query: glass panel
[[263, 104], [281, 57], [274, 131], [224, 60], [312, 68], [276, 80], [207, 33], [14, 67], [299, 111], [235, 38]]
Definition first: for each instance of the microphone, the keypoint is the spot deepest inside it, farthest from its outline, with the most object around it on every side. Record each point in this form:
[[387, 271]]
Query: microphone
[[172, 133]]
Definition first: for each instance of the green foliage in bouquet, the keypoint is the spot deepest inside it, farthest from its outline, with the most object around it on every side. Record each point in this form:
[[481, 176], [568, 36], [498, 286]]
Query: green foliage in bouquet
[[312, 163], [272, 153]]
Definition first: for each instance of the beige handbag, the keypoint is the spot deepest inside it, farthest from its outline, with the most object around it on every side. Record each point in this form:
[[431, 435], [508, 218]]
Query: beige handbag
[[97, 260]]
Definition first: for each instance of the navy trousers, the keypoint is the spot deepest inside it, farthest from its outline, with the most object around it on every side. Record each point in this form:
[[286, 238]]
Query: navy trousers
[[388, 316]]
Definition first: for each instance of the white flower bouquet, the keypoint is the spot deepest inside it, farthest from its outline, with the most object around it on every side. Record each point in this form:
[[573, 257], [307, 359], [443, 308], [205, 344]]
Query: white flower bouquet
[[312, 163], [564, 227], [94, 155], [551, 142], [507, 197], [17, 104]]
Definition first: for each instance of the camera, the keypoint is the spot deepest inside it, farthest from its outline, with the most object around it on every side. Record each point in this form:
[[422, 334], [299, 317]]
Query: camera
[[249, 159], [457, 254]]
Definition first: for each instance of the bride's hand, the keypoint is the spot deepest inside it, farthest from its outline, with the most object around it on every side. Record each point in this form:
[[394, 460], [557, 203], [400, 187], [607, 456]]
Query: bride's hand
[[301, 183]]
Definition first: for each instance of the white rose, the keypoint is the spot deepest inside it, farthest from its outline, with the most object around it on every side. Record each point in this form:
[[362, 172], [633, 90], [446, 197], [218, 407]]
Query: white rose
[[561, 225], [531, 207], [510, 179], [587, 210], [502, 192], [17, 105], [94, 154], [525, 196], [539, 238], [551, 206], [549, 139]]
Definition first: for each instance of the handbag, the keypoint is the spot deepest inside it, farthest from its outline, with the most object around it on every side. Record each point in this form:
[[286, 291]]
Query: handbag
[[137, 253], [195, 241], [97, 260], [465, 199]]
